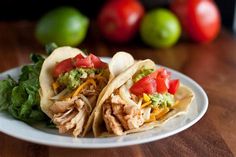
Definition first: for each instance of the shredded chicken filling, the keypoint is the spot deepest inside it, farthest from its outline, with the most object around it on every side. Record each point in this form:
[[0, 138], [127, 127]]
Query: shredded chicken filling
[[123, 111], [120, 116], [71, 113]]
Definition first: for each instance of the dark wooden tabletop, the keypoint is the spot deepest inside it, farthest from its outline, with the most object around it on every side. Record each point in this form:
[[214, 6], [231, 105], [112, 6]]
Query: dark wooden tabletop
[[213, 66]]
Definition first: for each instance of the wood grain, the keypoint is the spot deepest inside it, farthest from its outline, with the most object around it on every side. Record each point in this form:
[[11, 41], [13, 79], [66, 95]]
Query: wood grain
[[213, 66]]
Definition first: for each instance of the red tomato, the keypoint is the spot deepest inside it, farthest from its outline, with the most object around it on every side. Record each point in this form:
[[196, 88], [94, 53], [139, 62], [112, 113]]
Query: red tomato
[[119, 19], [62, 67], [163, 73], [83, 62], [144, 85], [173, 86], [78, 61], [161, 84], [97, 62], [160, 72], [79, 56], [158, 81], [199, 18]]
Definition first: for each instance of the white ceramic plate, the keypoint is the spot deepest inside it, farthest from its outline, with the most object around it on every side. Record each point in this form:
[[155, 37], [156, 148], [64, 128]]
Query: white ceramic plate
[[43, 135]]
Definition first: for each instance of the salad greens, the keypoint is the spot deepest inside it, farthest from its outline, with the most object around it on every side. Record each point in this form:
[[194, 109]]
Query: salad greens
[[21, 98]]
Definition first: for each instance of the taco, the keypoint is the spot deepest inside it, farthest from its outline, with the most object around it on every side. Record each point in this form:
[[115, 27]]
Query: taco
[[71, 83], [139, 99]]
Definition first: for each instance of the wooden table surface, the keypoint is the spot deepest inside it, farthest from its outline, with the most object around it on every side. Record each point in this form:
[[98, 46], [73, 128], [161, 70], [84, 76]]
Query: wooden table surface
[[213, 66]]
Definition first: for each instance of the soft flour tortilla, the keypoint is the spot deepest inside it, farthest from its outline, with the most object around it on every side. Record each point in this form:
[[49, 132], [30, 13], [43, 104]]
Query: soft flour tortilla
[[46, 78], [184, 95], [119, 62]]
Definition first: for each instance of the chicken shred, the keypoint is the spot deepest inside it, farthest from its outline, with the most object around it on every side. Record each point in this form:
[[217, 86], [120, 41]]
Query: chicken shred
[[62, 106], [112, 124], [71, 114], [74, 116], [119, 116]]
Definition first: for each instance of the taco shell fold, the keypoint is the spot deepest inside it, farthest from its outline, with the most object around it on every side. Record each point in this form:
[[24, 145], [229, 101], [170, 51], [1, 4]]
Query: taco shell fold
[[46, 79], [184, 95]]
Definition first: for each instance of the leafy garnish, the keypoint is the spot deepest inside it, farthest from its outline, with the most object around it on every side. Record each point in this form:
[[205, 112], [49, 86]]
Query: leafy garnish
[[21, 99], [6, 87]]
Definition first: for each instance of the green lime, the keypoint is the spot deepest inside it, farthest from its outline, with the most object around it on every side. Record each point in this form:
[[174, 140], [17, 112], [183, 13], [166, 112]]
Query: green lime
[[160, 28], [63, 26]]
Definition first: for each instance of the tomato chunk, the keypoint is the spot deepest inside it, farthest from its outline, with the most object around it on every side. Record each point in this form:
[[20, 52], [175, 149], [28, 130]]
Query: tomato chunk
[[173, 86], [161, 84], [78, 61], [158, 81], [144, 85], [83, 62], [78, 57], [62, 67], [97, 62]]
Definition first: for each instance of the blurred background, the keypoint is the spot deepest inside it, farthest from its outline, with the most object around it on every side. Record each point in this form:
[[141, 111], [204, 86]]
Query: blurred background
[[121, 22], [34, 9]]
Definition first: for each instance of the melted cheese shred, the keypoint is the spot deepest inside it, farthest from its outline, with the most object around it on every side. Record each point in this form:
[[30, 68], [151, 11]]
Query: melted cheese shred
[[146, 104], [55, 85], [79, 89], [157, 113]]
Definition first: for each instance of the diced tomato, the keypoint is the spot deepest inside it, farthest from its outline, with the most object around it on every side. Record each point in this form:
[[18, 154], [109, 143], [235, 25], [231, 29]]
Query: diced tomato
[[78, 57], [158, 81], [160, 72], [97, 62], [173, 86], [78, 61], [154, 74], [83, 62], [145, 85], [161, 84], [62, 67], [164, 73], [162, 79]]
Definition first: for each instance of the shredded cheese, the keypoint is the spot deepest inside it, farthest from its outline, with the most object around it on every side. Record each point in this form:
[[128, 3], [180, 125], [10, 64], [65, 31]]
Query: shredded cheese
[[157, 113], [162, 112], [55, 85], [151, 119], [175, 104], [146, 104], [87, 82], [146, 98]]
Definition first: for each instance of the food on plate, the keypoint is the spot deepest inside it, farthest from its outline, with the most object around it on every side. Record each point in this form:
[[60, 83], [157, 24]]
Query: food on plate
[[64, 26], [160, 28], [71, 83], [140, 98], [80, 92]]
